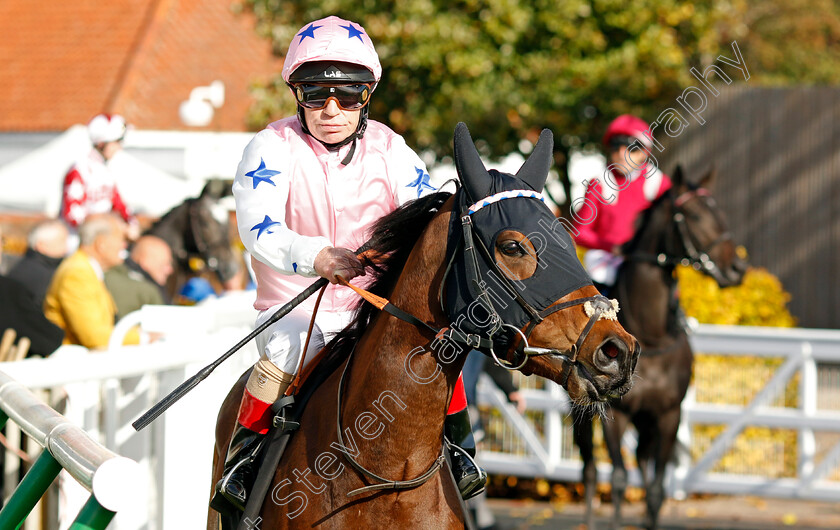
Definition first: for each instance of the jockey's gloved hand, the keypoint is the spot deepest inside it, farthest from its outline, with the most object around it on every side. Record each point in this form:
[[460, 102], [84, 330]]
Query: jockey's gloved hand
[[333, 262]]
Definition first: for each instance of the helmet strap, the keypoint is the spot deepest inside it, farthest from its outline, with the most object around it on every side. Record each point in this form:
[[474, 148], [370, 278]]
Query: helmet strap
[[358, 134]]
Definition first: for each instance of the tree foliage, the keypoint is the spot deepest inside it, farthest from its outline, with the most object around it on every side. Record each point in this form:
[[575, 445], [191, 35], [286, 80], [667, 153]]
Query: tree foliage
[[508, 68]]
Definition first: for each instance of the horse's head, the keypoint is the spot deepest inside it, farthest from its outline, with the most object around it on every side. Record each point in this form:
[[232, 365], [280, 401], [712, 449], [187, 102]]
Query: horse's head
[[515, 281], [209, 232], [700, 236]]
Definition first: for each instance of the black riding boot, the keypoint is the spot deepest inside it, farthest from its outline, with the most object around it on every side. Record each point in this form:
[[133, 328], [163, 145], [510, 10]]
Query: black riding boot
[[232, 490], [470, 478]]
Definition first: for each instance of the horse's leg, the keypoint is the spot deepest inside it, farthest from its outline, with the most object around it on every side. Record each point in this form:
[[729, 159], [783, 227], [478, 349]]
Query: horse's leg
[[582, 431], [613, 431], [648, 440], [668, 424]]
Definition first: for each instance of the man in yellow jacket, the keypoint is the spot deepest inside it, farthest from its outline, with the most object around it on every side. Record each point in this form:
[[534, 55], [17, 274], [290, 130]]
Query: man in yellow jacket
[[77, 300]]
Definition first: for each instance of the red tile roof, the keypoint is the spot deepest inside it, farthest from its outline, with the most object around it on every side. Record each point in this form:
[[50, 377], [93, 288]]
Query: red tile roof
[[62, 62]]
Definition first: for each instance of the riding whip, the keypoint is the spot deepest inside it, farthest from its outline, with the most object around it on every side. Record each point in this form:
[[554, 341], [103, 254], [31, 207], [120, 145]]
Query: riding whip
[[160, 407]]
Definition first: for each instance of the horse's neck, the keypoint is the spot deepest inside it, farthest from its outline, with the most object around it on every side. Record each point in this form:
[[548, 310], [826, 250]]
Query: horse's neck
[[393, 370], [645, 292], [644, 295]]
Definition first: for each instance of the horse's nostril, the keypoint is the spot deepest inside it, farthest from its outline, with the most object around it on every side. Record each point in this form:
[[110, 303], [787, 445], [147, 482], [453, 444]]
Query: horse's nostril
[[610, 349], [637, 350], [610, 355]]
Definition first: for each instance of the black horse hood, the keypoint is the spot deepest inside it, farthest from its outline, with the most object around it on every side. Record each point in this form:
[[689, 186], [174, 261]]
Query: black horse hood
[[494, 202]]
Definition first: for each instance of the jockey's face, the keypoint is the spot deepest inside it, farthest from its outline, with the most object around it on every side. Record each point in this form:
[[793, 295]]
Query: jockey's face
[[331, 124], [626, 160], [109, 149]]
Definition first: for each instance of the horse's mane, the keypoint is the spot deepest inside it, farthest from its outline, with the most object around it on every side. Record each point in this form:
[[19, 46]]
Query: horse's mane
[[392, 239]]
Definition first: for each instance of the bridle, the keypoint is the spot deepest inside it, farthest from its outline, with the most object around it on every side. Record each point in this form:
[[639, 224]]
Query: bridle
[[596, 307], [473, 248], [202, 245], [699, 260]]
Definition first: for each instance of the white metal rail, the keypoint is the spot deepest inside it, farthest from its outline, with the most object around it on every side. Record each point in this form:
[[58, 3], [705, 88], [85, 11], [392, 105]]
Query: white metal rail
[[804, 352]]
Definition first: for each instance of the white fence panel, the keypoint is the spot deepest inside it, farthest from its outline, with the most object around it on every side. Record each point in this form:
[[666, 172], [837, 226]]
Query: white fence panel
[[811, 355], [104, 392], [107, 391]]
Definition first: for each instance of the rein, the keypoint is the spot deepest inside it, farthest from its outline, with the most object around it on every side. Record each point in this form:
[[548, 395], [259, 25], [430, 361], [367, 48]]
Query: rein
[[384, 484]]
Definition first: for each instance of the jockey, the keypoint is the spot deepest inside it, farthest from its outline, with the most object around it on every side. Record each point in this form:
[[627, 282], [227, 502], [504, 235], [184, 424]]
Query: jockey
[[90, 187], [307, 190], [606, 219]]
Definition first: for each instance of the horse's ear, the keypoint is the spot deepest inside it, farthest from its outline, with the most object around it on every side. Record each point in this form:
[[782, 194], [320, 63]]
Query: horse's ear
[[471, 171], [678, 178], [534, 171], [708, 180], [214, 189]]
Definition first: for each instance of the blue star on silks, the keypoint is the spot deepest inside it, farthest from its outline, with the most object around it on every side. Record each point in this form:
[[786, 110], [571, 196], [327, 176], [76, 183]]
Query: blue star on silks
[[261, 174], [421, 182], [265, 226], [308, 32], [353, 32]]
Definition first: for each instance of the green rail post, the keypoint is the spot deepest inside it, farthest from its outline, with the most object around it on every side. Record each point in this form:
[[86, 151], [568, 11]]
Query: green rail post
[[66, 446], [29, 491], [92, 516]]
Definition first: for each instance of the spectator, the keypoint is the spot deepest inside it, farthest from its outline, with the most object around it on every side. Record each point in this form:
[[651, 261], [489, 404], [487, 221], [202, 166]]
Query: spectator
[[77, 300], [20, 313], [141, 279], [47, 247], [90, 187], [195, 290]]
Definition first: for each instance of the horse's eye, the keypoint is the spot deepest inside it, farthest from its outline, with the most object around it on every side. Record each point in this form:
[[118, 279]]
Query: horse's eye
[[511, 248]]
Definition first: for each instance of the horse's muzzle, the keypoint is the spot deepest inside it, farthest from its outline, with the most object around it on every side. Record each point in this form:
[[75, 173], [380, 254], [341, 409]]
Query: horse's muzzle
[[616, 359]]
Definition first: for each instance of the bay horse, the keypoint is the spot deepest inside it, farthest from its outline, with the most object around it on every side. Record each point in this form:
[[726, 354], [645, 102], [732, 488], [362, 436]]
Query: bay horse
[[685, 226], [377, 419], [198, 232]]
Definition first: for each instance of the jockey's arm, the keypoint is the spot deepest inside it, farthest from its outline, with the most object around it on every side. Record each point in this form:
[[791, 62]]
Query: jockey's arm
[[411, 178], [261, 190], [73, 198], [120, 207], [588, 223]]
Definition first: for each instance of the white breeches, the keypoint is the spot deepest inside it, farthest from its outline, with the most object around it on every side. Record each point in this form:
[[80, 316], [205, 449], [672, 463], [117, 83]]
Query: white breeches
[[602, 266], [283, 341]]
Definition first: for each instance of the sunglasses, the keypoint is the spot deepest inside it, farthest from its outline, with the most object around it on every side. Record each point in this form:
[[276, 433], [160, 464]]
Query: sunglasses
[[621, 141], [348, 97]]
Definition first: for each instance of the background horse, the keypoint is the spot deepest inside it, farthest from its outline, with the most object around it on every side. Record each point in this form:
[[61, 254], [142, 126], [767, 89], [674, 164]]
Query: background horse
[[198, 232], [683, 226], [398, 377]]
